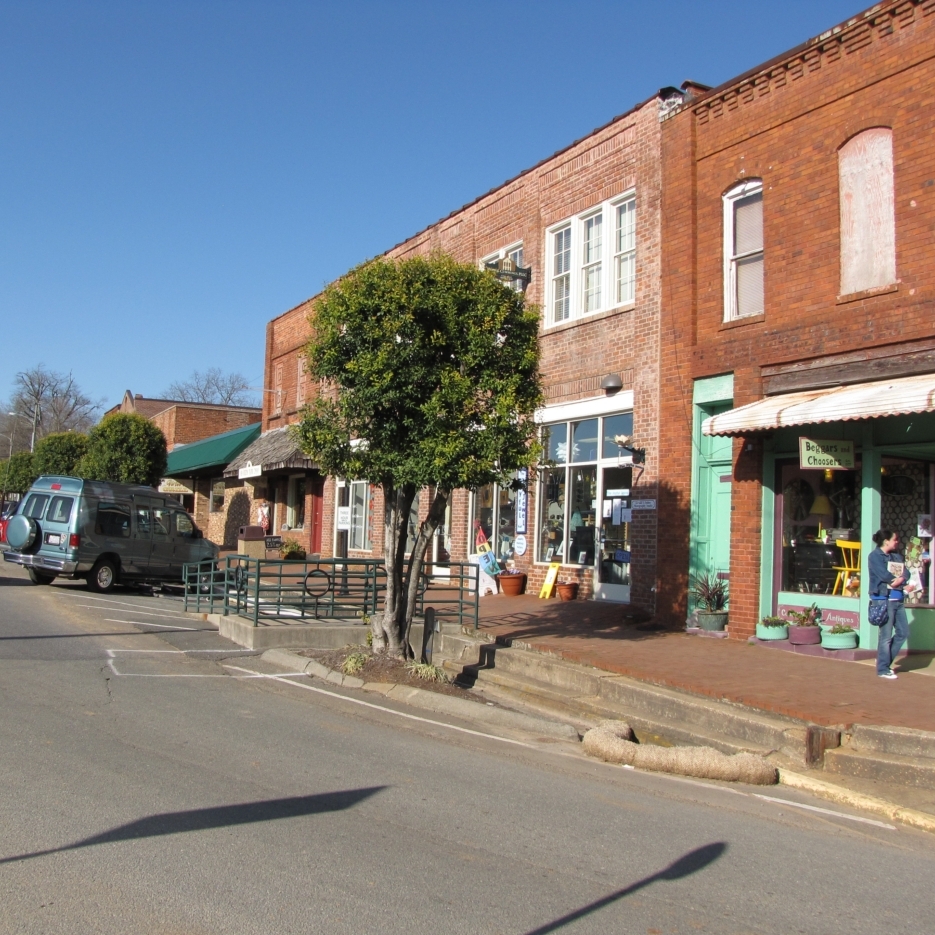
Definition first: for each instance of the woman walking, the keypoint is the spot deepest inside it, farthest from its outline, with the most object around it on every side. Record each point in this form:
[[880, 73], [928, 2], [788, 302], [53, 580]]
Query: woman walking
[[887, 586]]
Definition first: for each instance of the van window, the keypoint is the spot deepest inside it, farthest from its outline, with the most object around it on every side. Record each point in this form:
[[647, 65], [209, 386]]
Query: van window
[[60, 509], [144, 522], [35, 505], [113, 520], [160, 521], [184, 525]]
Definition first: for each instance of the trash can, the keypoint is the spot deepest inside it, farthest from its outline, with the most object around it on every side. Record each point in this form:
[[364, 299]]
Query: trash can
[[251, 541]]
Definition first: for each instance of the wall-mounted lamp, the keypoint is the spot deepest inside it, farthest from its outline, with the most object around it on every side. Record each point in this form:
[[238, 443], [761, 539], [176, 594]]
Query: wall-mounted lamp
[[611, 383]]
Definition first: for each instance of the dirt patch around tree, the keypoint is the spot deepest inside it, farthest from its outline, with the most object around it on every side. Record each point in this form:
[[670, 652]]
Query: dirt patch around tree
[[382, 668]]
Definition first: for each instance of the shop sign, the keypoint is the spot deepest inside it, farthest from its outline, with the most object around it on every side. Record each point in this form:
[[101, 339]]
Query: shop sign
[[250, 470], [344, 517], [826, 454], [273, 542], [519, 545], [519, 504], [171, 485], [643, 505]]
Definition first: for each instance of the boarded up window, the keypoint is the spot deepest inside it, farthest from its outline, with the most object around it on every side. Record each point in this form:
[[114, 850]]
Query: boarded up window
[[277, 389], [300, 382], [868, 225]]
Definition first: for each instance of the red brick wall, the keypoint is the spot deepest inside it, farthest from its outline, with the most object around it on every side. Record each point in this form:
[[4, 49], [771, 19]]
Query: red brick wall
[[785, 125], [185, 423]]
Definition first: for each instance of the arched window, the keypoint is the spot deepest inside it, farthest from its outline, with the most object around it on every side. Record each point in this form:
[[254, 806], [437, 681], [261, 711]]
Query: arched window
[[743, 250], [868, 224]]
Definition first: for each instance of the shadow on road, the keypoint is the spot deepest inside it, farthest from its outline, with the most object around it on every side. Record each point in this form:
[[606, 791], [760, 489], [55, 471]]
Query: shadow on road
[[685, 866], [222, 816]]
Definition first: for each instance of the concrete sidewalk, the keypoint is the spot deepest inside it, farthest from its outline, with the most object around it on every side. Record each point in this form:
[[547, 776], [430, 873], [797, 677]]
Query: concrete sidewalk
[[615, 639]]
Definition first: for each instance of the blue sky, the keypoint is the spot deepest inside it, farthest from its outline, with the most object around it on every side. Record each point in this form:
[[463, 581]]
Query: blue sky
[[174, 174]]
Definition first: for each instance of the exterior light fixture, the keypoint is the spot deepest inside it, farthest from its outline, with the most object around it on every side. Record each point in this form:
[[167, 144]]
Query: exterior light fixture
[[611, 383]]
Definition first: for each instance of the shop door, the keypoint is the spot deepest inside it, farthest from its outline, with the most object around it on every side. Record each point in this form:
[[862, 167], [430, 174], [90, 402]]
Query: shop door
[[612, 571], [711, 503]]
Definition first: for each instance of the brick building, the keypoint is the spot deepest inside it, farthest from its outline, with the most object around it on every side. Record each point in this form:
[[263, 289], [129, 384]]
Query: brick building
[[798, 207], [587, 223]]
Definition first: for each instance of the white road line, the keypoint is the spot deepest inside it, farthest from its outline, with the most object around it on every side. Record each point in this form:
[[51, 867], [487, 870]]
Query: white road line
[[183, 652], [141, 613], [143, 675], [286, 677], [824, 811], [147, 623]]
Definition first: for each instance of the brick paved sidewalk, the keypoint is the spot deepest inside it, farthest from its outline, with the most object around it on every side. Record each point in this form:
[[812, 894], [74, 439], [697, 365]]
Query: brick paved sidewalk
[[824, 691]]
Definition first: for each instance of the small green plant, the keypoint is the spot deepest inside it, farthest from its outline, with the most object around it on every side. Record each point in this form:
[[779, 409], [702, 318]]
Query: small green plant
[[710, 592], [354, 663], [841, 628], [370, 637], [773, 622], [810, 617], [291, 547], [425, 670]]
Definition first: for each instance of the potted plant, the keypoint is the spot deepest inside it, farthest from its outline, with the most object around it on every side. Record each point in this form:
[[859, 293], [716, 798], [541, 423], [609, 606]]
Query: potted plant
[[512, 582], [804, 626], [772, 628], [567, 590], [710, 593], [291, 549], [840, 636]]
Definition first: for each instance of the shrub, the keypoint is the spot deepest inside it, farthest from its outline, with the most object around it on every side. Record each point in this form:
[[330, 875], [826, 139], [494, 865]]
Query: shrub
[[60, 453], [125, 448], [354, 663], [710, 592]]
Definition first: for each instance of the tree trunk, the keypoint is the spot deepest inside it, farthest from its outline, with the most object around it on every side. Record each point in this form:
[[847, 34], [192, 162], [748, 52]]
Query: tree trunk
[[388, 634]]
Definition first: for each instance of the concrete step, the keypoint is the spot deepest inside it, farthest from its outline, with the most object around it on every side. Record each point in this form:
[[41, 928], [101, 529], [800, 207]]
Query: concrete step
[[895, 769], [898, 741]]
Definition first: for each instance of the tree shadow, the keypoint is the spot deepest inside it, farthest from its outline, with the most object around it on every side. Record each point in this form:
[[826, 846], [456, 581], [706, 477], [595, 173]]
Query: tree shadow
[[221, 816], [238, 514], [685, 866]]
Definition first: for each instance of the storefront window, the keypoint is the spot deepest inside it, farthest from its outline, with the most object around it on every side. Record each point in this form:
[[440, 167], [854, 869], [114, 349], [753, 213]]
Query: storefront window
[[359, 535], [905, 507], [552, 515], [494, 517], [217, 496]]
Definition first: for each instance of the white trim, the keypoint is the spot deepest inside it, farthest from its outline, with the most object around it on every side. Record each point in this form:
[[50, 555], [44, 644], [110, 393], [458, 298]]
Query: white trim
[[751, 187], [585, 408]]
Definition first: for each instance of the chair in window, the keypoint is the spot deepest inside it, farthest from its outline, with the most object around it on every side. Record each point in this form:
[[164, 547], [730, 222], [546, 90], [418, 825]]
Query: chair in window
[[848, 578]]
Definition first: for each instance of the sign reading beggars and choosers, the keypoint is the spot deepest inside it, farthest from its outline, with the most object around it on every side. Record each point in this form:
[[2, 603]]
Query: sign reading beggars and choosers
[[826, 454]]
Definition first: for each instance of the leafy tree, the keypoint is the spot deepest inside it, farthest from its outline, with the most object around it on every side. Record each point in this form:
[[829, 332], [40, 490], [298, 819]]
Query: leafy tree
[[125, 448], [213, 386], [60, 453], [433, 369], [17, 473]]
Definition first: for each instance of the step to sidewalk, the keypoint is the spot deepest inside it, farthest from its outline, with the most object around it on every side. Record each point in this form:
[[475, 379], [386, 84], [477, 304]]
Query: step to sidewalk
[[895, 769], [897, 741], [585, 711]]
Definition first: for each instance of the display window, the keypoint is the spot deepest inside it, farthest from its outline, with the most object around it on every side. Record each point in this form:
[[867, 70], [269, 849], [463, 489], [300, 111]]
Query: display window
[[585, 501], [493, 516]]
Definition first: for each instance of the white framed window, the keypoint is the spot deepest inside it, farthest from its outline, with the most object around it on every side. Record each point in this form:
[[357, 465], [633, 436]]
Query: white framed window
[[592, 261], [743, 251], [359, 533], [295, 503], [515, 253]]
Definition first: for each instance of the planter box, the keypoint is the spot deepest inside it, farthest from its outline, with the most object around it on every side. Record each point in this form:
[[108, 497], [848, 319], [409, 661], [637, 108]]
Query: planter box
[[804, 636], [512, 585], [712, 620], [839, 640], [772, 633]]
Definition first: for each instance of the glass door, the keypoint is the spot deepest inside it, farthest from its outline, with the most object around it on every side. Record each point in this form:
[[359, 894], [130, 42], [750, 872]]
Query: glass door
[[612, 574]]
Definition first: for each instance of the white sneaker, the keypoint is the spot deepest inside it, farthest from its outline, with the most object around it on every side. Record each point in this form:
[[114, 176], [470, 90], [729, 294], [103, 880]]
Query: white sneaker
[[888, 674]]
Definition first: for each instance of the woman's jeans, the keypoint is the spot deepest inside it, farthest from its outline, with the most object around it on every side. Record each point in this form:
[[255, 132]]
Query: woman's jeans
[[893, 635]]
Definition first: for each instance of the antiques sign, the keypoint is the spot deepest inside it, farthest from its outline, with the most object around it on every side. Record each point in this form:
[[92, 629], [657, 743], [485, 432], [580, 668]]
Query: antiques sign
[[826, 454]]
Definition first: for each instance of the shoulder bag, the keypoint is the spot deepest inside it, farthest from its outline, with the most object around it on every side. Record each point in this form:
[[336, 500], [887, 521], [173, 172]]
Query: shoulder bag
[[878, 613]]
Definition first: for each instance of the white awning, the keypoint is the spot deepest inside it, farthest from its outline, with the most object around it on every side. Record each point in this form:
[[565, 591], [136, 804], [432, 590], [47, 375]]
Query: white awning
[[834, 404]]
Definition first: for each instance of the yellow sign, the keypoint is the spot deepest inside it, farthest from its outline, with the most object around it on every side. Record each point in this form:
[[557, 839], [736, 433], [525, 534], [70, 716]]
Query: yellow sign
[[549, 584], [826, 454]]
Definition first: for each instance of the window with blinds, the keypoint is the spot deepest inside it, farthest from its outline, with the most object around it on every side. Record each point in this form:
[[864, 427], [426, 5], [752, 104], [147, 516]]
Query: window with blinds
[[743, 242]]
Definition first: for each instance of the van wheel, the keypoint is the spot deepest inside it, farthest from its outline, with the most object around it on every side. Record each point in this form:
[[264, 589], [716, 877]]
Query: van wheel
[[103, 576], [37, 577]]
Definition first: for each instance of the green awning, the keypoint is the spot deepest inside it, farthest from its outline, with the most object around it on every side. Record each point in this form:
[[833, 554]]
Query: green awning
[[215, 451]]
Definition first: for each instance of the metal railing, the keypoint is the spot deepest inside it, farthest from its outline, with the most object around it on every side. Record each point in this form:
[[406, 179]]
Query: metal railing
[[327, 588]]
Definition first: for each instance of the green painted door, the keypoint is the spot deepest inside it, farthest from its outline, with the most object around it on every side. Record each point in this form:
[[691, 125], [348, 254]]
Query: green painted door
[[711, 486]]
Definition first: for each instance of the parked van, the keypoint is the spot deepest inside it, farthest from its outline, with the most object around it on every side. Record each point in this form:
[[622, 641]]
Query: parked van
[[107, 533]]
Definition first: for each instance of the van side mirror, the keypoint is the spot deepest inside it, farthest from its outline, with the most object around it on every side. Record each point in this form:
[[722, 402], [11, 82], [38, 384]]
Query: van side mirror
[[197, 534]]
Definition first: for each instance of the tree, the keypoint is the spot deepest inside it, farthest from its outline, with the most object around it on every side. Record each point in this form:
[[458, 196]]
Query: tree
[[60, 453], [213, 386], [17, 473], [46, 401], [125, 448], [433, 370]]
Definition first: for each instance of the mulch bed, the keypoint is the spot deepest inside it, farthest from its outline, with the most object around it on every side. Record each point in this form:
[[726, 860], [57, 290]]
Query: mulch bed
[[387, 669]]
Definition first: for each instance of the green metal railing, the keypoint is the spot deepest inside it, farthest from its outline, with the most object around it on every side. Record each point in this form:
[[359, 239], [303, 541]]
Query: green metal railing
[[328, 588]]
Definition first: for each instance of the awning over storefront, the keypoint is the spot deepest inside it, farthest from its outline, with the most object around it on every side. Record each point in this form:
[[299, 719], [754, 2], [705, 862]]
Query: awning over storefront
[[272, 451], [836, 404], [215, 451]]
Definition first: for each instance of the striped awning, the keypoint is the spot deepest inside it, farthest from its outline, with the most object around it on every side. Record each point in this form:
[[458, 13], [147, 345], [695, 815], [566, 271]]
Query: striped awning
[[832, 404]]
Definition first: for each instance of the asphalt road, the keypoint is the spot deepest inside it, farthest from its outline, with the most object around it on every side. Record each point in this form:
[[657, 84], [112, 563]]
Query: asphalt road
[[151, 782]]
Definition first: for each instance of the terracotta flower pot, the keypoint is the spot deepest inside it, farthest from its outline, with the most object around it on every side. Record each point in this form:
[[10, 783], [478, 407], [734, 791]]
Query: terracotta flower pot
[[512, 585], [568, 591], [804, 636]]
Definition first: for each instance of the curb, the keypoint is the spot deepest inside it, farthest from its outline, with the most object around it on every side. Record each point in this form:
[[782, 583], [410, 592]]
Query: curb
[[868, 803], [425, 699]]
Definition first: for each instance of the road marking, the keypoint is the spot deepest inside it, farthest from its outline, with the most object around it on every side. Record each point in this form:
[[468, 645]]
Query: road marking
[[147, 623], [111, 654], [824, 811], [142, 613], [286, 677], [229, 652]]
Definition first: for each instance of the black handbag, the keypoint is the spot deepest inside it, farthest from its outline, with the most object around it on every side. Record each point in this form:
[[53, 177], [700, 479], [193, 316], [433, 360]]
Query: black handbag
[[878, 613]]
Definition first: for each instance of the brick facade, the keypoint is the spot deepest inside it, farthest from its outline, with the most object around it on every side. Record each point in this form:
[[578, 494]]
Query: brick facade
[[784, 123]]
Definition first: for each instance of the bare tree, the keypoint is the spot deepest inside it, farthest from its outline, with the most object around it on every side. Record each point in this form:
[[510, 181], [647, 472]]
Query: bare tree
[[213, 386], [46, 401]]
